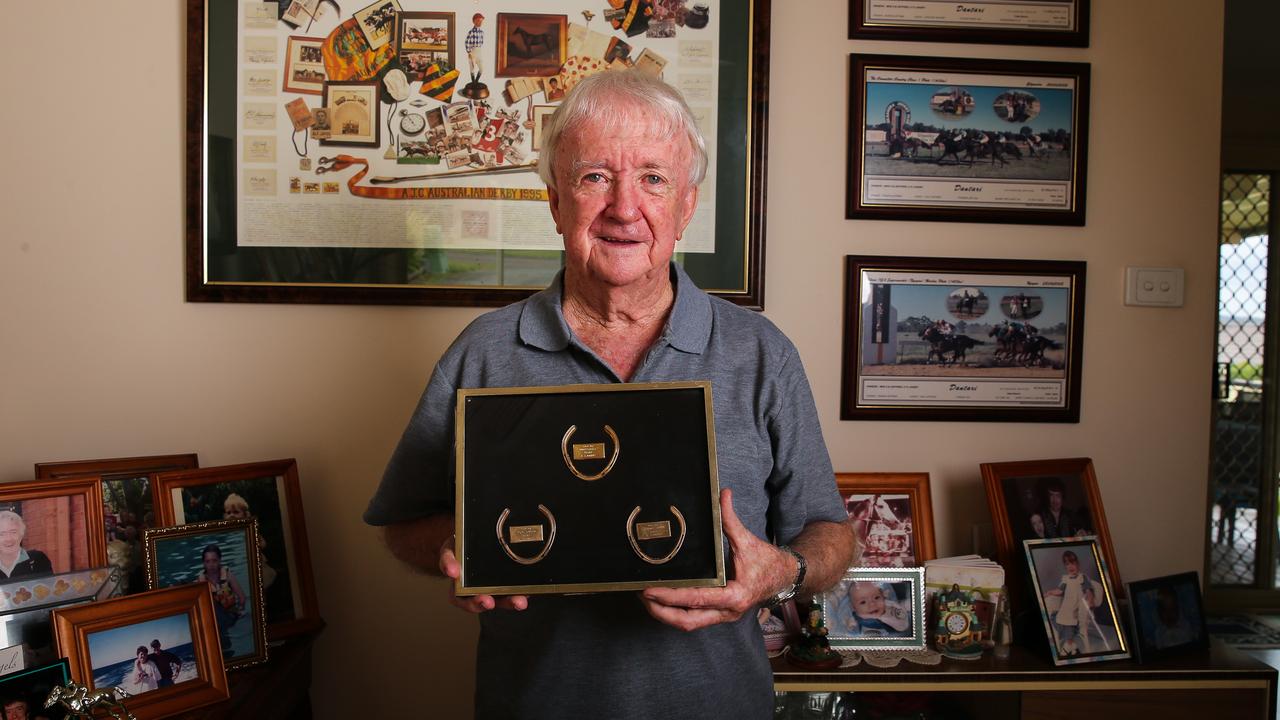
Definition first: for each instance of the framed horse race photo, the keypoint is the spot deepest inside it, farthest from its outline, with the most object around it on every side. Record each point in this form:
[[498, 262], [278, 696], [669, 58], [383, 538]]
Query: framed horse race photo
[[967, 140], [962, 339]]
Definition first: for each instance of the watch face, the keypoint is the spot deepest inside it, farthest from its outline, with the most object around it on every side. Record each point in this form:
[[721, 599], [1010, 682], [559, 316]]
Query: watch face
[[412, 124], [957, 623]]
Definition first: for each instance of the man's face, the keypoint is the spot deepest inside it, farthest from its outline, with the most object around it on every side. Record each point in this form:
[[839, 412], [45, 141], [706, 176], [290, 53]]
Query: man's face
[[1055, 501], [10, 535], [15, 710], [622, 200]]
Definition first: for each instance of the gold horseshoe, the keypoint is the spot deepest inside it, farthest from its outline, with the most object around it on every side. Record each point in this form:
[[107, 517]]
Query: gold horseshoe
[[568, 461], [636, 546], [551, 537]]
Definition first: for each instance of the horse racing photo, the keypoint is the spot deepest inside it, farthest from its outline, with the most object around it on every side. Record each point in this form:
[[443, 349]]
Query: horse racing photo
[[962, 136], [951, 333]]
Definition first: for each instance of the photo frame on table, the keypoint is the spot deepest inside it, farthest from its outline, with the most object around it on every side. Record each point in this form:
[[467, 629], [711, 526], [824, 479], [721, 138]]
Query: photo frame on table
[[892, 515], [31, 686], [1077, 602], [877, 609], [1167, 616], [64, 530], [128, 503], [26, 605], [103, 640], [270, 492], [1021, 499], [1039, 22], [967, 140], [468, 235], [962, 339], [425, 38], [183, 554]]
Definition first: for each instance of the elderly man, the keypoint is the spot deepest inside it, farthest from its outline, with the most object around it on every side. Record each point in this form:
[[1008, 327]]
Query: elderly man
[[622, 160]]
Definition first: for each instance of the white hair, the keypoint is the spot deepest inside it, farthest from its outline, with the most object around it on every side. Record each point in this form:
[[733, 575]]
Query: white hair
[[614, 99], [16, 519]]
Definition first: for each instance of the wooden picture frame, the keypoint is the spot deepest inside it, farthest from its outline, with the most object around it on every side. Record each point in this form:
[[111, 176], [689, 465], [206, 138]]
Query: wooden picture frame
[[1077, 600], [1019, 491], [531, 44], [273, 495], [356, 120], [967, 140], [304, 65], [1043, 22], [96, 638], [897, 619], [178, 555], [128, 500], [250, 238], [894, 517], [962, 339], [1166, 617], [63, 523], [418, 41]]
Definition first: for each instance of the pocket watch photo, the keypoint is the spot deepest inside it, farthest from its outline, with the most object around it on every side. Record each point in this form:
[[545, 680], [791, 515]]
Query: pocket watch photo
[[411, 123]]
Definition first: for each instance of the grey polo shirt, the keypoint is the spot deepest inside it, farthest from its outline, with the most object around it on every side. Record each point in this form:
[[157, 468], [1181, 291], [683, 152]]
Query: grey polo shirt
[[602, 655]]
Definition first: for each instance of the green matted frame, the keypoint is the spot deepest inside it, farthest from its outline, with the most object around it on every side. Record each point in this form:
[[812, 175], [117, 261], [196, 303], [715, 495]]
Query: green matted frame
[[219, 269]]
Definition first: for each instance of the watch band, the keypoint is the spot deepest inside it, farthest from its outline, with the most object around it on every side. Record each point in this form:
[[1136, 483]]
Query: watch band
[[790, 591]]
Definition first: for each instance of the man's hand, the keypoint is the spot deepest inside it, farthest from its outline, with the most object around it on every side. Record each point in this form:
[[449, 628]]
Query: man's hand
[[760, 570], [452, 569], [427, 546]]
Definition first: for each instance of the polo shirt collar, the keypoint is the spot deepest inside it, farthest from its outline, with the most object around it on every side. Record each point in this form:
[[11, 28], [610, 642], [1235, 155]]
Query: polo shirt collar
[[543, 326]]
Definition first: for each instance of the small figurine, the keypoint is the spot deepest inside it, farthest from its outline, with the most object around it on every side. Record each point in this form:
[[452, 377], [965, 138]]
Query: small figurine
[[81, 702], [959, 634], [812, 651], [474, 44]]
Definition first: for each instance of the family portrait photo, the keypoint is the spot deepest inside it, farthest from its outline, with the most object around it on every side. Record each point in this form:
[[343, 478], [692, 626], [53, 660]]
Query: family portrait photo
[[145, 656]]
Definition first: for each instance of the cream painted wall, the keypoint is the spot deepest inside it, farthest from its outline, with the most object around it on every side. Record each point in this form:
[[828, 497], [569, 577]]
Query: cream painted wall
[[100, 356]]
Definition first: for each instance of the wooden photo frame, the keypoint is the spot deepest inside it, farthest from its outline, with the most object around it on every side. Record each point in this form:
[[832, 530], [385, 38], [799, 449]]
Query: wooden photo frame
[[1077, 603], [128, 502], [102, 639], [304, 71], [1020, 496], [424, 39], [877, 609], [184, 554], [268, 491], [63, 530], [962, 339], [355, 113], [892, 515], [1043, 22], [1167, 616], [30, 686], [531, 44], [287, 228], [967, 140]]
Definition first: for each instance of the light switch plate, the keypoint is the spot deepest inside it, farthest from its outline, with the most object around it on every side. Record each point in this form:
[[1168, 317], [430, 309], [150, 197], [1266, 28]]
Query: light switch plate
[[1153, 287]]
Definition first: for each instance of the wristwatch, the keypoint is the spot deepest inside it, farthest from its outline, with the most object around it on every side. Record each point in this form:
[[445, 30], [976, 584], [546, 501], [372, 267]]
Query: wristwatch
[[790, 591]]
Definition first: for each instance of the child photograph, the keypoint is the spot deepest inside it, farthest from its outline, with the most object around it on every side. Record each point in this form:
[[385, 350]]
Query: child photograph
[[1077, 604]]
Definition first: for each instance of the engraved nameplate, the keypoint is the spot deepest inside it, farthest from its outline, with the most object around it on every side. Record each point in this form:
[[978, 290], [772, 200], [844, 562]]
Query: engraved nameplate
[[588, 451], [525, 533], [653, 530]]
